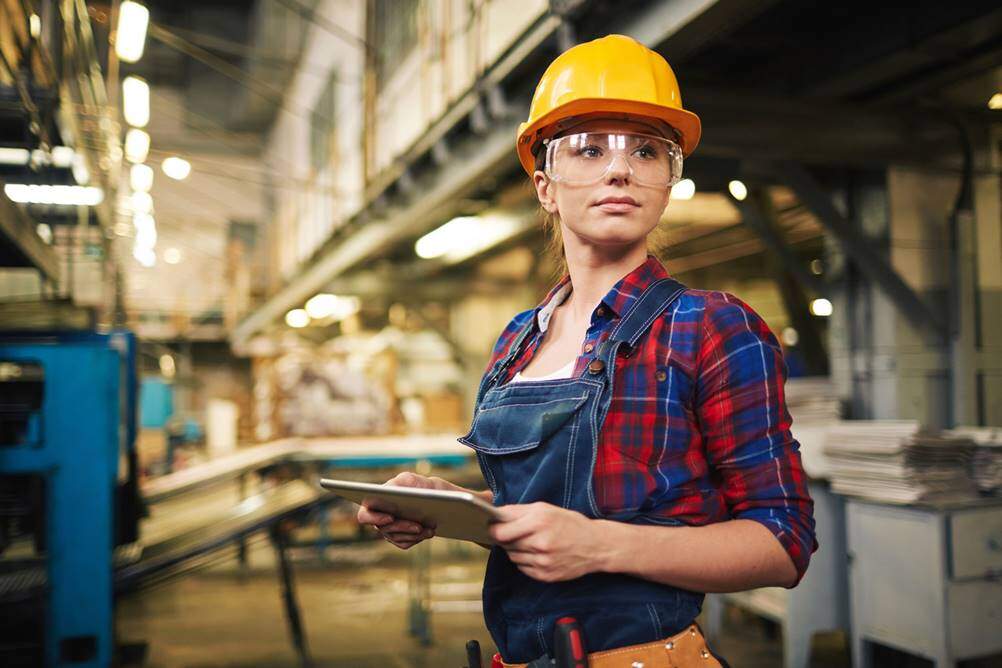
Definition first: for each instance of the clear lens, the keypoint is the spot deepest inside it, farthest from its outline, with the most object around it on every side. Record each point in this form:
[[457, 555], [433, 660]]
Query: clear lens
[[589, 157]]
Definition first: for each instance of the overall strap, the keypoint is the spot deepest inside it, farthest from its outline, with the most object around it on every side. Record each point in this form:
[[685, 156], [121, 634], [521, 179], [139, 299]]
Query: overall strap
[[654, 301]]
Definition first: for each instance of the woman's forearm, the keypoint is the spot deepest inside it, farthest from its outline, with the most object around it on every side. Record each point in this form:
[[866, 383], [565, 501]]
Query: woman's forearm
[[723, 557]]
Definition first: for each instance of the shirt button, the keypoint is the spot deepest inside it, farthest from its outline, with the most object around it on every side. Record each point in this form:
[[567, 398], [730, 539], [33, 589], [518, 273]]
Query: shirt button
[[589, 347], [600, 311], [596, 366], [661, 375]]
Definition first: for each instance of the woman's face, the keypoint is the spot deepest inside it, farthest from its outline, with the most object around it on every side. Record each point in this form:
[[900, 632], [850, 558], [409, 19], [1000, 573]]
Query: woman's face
[[583, 215]]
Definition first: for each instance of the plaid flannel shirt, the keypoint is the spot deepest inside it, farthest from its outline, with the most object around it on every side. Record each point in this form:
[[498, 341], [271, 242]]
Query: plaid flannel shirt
[[698, 428]]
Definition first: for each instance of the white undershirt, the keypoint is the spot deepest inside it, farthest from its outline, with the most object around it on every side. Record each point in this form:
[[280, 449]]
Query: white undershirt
[[563, 372]]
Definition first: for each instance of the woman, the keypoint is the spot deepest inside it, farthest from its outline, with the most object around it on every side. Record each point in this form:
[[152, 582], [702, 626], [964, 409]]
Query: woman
[[633, 432]]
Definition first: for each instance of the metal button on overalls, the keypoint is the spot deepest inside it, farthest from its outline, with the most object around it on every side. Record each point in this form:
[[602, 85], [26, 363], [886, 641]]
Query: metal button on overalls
[[537, 441]]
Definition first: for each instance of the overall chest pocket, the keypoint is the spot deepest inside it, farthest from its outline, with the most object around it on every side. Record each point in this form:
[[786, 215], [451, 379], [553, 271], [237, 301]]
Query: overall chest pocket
[[520, 424]]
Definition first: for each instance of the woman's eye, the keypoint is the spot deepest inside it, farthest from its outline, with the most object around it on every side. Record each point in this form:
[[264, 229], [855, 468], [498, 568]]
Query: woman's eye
[[590, 151], [647, 152]]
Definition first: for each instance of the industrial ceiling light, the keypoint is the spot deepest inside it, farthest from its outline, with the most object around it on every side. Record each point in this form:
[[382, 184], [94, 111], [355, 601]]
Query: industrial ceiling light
[[62, 156], [80, 172], [137, 145], [738, 190], [684, 189], [176, 168], [130, 38], [167, 366], [821, 307], [466, 236], [297, 318], [145, 256], [30, 193], [35, 25], [995, 101], [141, 178], [321, 306], [141, 202], [136, 101], [146, 230], [14, 156], [172, 256]]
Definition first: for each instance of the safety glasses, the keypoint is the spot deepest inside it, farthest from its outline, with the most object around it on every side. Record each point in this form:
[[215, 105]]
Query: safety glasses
[[589, 157]]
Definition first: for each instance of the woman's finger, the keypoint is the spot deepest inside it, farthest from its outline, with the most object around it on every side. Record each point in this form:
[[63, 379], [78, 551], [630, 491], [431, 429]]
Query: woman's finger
[[402, 527], [366, 516]]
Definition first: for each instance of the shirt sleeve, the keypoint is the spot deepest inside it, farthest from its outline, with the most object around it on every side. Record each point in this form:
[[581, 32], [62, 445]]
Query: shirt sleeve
[[745, 425]]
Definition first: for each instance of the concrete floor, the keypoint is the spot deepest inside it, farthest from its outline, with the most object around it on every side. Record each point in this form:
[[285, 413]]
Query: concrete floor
[[355, 612]]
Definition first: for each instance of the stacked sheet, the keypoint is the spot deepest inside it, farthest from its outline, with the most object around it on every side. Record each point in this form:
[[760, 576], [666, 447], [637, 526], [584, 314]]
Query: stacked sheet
[[814, 407], [896, 461], [986, 464]]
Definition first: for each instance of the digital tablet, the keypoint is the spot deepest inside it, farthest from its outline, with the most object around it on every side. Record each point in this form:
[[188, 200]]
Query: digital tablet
[[461, 515]]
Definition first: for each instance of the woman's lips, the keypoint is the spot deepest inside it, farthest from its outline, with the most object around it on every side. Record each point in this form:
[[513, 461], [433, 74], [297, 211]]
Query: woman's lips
[[617, 207]]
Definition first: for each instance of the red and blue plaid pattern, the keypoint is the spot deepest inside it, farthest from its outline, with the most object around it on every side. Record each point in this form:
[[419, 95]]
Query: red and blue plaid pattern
[[697, 429]]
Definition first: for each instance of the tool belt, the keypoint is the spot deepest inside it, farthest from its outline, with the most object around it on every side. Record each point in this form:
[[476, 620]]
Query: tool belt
[[686, 649]]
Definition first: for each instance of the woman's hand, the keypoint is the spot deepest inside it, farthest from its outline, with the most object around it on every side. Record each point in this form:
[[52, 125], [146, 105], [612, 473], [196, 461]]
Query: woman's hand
[[404, 533], [547, 542]]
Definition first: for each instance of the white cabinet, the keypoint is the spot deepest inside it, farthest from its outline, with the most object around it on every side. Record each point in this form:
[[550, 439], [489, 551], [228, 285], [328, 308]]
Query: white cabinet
[[925, 579]]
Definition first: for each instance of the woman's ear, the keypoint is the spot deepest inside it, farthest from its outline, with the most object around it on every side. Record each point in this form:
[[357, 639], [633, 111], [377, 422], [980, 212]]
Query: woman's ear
[[544, 191]]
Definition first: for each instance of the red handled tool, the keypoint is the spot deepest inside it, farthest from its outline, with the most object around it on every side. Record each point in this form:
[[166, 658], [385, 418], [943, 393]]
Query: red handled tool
[[568, 644]]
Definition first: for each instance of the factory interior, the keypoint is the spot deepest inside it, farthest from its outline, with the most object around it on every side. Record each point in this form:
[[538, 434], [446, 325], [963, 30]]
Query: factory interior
[[249, 245]]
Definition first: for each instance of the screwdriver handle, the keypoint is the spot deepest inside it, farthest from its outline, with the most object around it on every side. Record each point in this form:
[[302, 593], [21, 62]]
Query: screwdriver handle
[[473, 654], [569, 645]]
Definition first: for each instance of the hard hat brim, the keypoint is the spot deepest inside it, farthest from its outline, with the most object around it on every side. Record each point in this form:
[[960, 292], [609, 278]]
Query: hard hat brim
[[686, 122]]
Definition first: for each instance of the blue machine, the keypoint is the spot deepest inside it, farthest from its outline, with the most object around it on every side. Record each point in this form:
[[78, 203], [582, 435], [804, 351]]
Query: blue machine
[[67, 420]]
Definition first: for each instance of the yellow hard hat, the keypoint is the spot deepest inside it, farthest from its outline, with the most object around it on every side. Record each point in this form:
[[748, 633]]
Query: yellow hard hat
[[614, 75]]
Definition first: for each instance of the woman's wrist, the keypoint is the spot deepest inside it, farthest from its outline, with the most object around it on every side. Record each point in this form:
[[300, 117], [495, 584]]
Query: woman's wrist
[[613, 542]]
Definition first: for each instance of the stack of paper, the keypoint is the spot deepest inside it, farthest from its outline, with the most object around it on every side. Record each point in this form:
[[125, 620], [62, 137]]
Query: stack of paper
[[986, 464], [812, 400], [896, 461], [814, 407]]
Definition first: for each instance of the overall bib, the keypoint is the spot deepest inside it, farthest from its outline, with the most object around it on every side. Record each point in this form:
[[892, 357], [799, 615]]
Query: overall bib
[[537, 441]]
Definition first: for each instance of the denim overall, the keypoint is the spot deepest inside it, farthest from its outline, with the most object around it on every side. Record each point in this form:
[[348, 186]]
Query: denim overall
[[537, 441]]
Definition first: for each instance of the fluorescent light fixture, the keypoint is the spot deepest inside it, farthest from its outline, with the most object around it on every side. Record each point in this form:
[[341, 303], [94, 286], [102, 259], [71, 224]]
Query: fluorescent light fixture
[[145, 256], [136, 101], [995, 101], [141, 202], [738, 190], [62, 156], [821, 307], [14, 156], [790, 336], [321, 306], [297, 318], [80, 172], [133, 19], [172, 256], [684, 189], [141, 178], [44, 231], [146, 230], [30, 193], [331, 306], [176, 168], [137, 145], [167, 366], [466, 236]]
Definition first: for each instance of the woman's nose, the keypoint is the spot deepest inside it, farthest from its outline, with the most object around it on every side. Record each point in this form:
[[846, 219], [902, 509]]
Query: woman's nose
[[619, 168]]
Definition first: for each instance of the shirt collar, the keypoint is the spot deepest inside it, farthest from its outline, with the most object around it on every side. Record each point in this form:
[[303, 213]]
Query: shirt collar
[[620, 297]]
